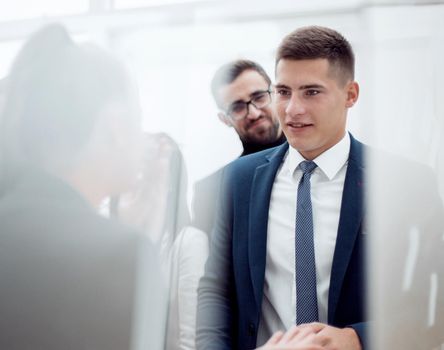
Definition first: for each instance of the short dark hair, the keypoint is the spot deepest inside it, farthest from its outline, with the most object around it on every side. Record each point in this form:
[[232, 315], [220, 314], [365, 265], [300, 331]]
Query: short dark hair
[[319, 42], [229, 72]]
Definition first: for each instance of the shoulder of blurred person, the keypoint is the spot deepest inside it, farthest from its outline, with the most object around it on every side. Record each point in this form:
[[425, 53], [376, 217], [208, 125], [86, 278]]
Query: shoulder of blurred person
[[68, 270]]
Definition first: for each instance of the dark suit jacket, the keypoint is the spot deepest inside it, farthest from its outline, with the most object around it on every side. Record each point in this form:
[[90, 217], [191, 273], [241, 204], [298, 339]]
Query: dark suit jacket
[[205, 199], [67, 275], [230, 293], [207, 190]]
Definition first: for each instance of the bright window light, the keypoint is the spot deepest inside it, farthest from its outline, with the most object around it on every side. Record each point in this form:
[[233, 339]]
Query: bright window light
[[8, 51], [128, 4], [24, 9]]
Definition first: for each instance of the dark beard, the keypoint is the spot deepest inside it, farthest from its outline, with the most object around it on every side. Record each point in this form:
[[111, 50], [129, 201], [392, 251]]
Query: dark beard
[[253, 146], [266, 137]]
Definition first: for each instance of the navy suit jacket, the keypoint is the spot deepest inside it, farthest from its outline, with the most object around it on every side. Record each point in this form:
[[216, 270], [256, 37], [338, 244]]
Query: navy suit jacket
[[230, 293]]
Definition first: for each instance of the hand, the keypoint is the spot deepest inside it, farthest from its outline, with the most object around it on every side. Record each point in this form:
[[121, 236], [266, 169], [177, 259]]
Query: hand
[[336, 338], [297, 338]]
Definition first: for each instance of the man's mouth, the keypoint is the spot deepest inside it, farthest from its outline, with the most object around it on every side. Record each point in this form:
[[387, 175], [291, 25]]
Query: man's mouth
[[256, 123], [299, 125]]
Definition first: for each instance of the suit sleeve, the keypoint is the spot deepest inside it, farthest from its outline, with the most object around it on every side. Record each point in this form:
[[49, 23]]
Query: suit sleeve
[[215, 293], [206, 196], [361, 330]]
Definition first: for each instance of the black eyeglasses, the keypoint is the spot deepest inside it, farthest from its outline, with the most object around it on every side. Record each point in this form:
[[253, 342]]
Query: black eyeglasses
[[239, 110]]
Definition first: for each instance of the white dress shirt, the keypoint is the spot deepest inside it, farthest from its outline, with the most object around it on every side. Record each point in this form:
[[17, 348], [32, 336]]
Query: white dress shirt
[[327, 183], [188, 256]]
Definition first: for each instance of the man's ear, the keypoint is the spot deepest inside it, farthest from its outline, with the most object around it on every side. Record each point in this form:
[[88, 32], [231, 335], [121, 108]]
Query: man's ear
[[224, 119], [352, 94]]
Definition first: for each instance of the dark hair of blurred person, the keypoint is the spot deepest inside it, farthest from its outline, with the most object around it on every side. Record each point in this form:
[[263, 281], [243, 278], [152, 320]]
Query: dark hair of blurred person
[[69, 107], [71, 279]]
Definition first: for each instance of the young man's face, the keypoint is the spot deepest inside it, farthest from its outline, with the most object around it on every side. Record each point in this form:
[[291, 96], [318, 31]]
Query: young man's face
[[311, 104], [259, 126]]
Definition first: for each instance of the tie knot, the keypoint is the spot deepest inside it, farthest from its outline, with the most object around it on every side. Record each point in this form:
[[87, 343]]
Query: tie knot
[[307, 166]]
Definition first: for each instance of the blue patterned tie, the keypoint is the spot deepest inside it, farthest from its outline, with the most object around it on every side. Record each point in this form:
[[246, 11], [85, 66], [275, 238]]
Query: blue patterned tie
[[306, 297]]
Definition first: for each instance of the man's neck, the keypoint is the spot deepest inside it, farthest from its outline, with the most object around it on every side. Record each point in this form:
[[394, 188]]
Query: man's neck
[[250, 147]]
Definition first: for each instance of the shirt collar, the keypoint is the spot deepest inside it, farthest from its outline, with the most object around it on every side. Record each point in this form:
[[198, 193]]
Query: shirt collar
[[329, 162]]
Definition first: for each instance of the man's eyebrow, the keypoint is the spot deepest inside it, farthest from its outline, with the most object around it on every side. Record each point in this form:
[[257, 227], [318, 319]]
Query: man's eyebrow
[[258, 92], [281, 86], [311, 86], [236, 102], [302, 87]]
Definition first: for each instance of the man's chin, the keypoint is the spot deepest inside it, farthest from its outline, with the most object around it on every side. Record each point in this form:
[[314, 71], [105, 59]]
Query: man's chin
[[265, 135], [261, 138]]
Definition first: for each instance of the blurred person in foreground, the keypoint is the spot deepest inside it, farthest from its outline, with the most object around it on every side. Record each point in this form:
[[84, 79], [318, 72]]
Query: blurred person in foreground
[[242, 91], [2, 92], [407, 249], [156, 203], [71, 279], [157, 206], [288, 246]]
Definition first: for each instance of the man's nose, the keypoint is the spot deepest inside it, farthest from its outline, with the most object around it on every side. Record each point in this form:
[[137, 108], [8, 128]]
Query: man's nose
[[295, 107], [253, 112]]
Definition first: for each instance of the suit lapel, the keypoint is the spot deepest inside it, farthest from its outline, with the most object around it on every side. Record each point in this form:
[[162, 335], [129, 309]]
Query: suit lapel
[[258, 218], [349, 224]]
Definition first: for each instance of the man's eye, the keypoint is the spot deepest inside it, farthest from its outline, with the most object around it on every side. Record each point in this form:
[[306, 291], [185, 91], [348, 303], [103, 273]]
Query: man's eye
[[237, 108], [260, 97], [282, 92], [311, 92]]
